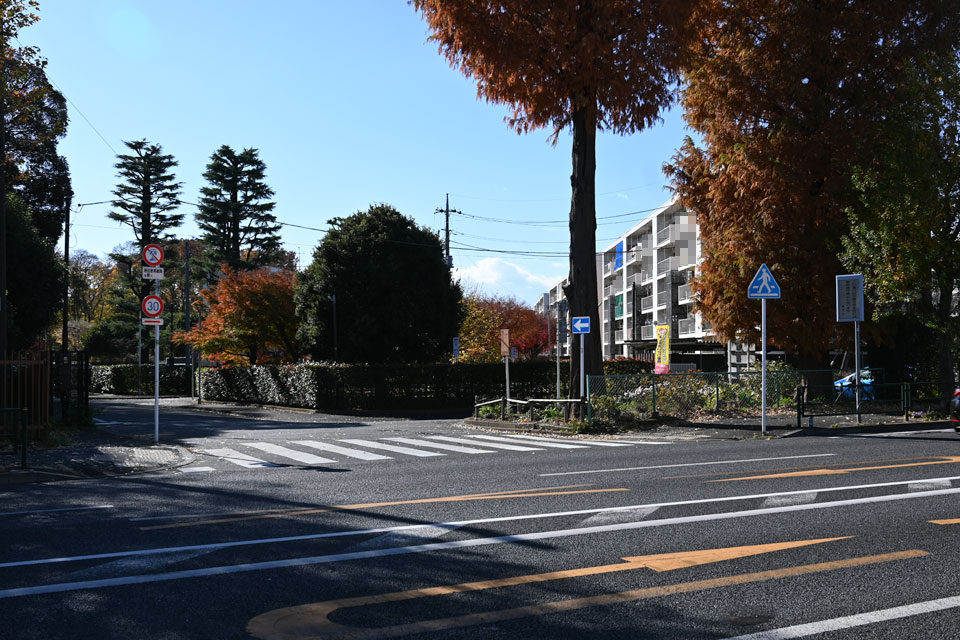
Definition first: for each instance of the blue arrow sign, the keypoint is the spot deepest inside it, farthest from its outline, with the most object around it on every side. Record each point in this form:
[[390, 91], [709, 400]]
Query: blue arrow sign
[[581, 324], [764, 285]]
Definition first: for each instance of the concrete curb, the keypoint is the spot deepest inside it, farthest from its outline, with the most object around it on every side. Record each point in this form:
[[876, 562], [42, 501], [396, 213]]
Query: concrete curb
[[869, 428]]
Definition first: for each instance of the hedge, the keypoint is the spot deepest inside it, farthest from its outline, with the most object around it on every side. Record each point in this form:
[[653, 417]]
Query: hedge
[[121, 379], [387, 386]]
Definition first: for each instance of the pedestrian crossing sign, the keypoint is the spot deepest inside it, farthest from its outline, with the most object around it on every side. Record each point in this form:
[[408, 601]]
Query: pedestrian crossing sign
[[764, 285]]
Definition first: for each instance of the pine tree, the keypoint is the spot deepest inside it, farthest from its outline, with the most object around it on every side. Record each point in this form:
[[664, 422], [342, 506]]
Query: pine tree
[[148, 194], [235, 212]]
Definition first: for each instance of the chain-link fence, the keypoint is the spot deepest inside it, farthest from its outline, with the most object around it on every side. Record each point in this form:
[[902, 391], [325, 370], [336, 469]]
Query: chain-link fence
[[622, 398]]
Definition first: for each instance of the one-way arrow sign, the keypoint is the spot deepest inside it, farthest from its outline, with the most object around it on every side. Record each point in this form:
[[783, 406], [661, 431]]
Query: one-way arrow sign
[[581, 324]]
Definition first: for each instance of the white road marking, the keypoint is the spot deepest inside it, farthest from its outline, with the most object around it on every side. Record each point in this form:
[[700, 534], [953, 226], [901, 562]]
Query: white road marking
[[688, 464], [857, 620], [23, 513], [540, 442], [284, 452], [893, 434], [492, 445], [391, 447], [195, 469], [928, 485], [783, 501], [438, 445], [344, 451], [594, 443], [240, 459], [622, 515], [643, 441], [407, 537], [453, 544]]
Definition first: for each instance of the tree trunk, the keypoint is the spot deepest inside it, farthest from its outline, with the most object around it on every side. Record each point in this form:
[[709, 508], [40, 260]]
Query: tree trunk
[[581, 291]]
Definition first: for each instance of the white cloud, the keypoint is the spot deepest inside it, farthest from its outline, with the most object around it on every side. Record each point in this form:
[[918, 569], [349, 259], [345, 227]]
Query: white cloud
[[496, 276]]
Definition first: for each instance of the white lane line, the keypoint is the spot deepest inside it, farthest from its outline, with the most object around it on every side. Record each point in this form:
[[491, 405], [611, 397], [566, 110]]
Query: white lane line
[[284, 452], [453, 544], [452, 525], [492, 445], [688, 464], [540, 442], [857, 620], [195, 469], [394, 448], [438, 445], [783, 501], [593, 443], [928, 485], [343, 451], [22, 513], [240, 459]]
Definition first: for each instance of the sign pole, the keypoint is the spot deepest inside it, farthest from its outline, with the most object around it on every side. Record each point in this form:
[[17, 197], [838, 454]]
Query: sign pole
[[558, 350], [763, 374], [582, 382], [156, 377], [856, 362]]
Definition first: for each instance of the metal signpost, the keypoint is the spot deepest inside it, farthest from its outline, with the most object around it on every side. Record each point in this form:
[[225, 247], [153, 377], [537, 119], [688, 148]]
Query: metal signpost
[[764, 287], [505, 352], [152, 307], [581, 325], [561, 336], [850, 309]]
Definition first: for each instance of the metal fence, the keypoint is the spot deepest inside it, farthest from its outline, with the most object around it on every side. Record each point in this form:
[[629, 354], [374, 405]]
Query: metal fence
[[738, 394], [618, 398], [25, 384]]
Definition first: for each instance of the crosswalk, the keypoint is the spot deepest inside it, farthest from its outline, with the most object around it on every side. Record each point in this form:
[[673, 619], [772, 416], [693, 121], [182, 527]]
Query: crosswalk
[[305, 452]]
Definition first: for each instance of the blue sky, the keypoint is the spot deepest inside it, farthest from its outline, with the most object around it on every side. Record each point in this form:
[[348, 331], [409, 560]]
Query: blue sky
[[349, 105]]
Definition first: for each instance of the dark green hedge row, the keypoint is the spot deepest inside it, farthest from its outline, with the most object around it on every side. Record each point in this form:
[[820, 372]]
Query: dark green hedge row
[[400, 386], [626, 367], [122, 379]]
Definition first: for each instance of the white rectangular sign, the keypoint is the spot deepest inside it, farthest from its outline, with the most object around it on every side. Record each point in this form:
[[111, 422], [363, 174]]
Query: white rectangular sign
[[152, 273], [153, 322], [850, 298]]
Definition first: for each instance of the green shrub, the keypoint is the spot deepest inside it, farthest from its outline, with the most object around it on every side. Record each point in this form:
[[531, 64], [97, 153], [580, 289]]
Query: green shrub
[[122, 379]]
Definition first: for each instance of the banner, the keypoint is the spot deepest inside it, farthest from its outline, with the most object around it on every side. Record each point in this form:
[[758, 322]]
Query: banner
[[661, 359]]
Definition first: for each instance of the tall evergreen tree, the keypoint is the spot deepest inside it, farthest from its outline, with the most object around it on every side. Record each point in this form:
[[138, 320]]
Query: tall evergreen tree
[[148, 194], [235, 212]]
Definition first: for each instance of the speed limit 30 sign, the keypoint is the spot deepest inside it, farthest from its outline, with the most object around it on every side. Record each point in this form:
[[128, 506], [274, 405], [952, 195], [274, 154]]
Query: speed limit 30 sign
[[152, 306]]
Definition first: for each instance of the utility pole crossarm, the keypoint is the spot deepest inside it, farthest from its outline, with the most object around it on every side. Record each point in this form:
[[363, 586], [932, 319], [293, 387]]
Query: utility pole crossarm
[[446, 244]]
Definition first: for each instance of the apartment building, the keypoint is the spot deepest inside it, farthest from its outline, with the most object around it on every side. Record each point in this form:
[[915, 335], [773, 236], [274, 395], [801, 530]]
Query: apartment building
[[554, 298], [644, 281]]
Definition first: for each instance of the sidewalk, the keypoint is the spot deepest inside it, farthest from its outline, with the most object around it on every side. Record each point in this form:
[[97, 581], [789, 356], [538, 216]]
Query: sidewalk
[[88, 453]]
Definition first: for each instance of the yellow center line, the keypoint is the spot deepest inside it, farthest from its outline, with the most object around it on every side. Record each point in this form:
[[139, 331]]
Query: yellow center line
[[945, 522], [522, 493], [830, 472], [311, 621]]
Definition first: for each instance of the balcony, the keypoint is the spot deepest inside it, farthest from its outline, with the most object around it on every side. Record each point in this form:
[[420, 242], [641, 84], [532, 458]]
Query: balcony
[[666, 234], [646, 304], [685, 293], [646, 332], [686, 326], [618, 337], [646, 275], [669, 264]]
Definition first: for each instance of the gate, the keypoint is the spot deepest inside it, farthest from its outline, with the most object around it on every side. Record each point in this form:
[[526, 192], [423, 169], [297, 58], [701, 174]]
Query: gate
[[26, 385]]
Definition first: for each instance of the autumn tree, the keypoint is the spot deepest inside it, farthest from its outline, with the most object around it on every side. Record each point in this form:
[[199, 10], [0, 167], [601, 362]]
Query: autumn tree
[[784, 95], [587, 65], [235, 212], [378, 290], [485, 317], [249, 319], [904, 229]]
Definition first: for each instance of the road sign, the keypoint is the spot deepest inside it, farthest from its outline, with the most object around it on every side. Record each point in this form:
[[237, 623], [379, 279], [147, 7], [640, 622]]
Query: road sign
[[764, 285], [504, 342], [513, 352], [456, 347], [850, 298], [152, 255], [152, 273], [152, 322], [581, 324], [152, 306]]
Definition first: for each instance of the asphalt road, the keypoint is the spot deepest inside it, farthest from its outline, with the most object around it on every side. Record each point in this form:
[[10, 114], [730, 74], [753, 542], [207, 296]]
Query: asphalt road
[[848, 537]]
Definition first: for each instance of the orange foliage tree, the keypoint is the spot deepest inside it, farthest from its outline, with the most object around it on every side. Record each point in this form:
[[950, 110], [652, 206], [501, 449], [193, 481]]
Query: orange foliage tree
[[786, 97], [587, 64], [483, 318], [249, 319]]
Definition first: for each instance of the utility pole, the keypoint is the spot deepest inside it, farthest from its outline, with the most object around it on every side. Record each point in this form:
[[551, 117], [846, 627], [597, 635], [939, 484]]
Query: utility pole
[[446, 243], [3, 207], [188, 354]]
